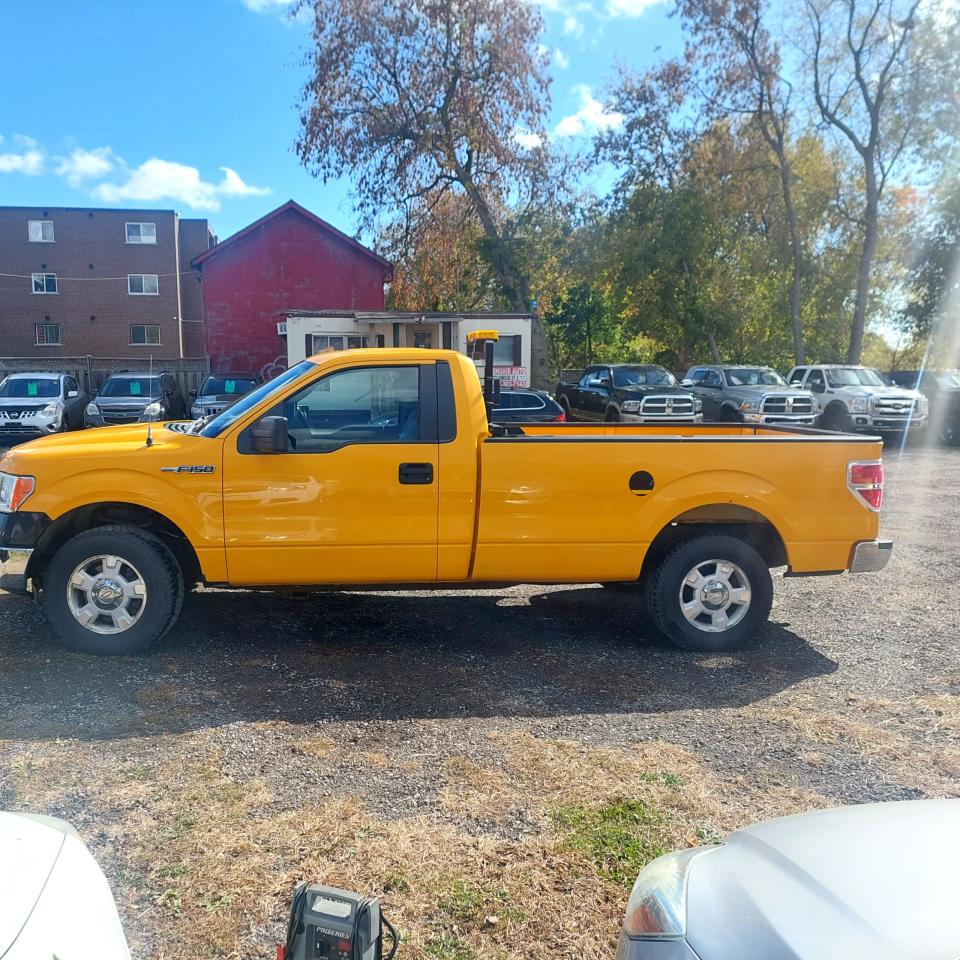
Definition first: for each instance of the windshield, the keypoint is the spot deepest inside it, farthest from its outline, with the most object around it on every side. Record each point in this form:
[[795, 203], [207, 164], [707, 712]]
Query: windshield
[[856, 377], [754, 377], [131, 387], [235, 411], [642, 377], [948, 381], [226, 386], [29, 387]]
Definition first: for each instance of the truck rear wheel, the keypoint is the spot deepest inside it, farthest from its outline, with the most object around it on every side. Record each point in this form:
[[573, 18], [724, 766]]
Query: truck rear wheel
[[112, 590], [710, 593]]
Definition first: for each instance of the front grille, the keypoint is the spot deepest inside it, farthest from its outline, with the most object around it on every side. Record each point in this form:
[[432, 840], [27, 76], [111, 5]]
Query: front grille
[[20, 410], [120, 415], [21, 429], [891, 407], [669, 406], [211, 411], [779, 404]]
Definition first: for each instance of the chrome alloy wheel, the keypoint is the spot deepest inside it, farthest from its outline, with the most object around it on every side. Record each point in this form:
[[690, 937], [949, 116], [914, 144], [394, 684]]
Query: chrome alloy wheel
[[715, 595], [106, 594]]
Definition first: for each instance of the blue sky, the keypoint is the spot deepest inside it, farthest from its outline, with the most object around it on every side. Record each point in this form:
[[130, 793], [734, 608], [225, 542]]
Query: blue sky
[[191, 104]]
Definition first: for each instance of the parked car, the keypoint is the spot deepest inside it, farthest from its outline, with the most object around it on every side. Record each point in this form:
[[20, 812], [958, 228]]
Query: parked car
[[942, 390], [36, 404], [528, 406], [219, 390], [627, 393], [135, 398], [379, 466], [872, 881], [744, 394], [856, 398], [54, 899]]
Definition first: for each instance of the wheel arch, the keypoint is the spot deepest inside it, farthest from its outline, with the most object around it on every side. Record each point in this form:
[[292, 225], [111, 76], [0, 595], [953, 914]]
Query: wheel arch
[[113, 513]]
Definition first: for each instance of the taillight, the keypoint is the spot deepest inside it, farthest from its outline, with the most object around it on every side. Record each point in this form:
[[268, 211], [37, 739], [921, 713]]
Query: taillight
[[865, 480], [560, 418]]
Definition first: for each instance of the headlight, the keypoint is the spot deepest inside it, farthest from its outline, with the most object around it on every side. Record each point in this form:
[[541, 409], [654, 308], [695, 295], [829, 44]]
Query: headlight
[[195, 410], [50, 410], [858, 405], [152, 410], [13, 491], [657, 908], [697, 405], [749, 405], [630, 405], [923, 404], [92, 410]]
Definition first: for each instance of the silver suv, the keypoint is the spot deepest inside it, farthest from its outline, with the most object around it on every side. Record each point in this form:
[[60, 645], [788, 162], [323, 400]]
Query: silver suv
[[852, 397], [36, 404], [735, 393]]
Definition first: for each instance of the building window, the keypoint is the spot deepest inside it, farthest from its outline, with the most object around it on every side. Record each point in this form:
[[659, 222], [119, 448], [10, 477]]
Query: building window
[[506, 351], [40, 231], [143, 284], [423, 339], [338, 341], [44, 282], [47, 334], [141, 233], [144, 334]]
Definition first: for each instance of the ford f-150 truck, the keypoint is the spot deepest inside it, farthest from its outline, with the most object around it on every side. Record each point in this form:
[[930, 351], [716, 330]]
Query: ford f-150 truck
[[379, 466]]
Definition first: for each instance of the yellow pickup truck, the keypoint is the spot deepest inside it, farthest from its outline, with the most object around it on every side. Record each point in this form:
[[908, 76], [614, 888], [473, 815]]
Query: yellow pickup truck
[[379, 466]]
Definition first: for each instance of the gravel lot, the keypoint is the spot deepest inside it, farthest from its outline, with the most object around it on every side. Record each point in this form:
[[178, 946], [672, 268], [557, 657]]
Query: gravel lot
[[423, 743]]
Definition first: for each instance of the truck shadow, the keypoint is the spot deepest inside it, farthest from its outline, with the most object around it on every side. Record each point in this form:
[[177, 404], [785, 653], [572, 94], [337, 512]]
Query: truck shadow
[[361, 656]]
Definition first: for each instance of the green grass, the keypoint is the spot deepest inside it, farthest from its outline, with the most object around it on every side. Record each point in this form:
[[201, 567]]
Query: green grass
[[467, 904], [447, 946], [619, 838]]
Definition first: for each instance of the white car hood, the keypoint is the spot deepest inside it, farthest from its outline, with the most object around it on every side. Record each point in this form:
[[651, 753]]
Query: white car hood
[[54, 898]]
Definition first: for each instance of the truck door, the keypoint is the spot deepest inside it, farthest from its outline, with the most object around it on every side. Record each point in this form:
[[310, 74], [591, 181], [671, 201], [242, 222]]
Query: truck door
[[354, 498]]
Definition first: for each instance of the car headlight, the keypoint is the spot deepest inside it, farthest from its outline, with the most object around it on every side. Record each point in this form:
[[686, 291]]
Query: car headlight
[[195, 410], [152, 409], [657, 908], [697, 405], [630, 405], [749, 406], [92, 410], [13, 491], [923, 405], [858, 405], [50, 410]]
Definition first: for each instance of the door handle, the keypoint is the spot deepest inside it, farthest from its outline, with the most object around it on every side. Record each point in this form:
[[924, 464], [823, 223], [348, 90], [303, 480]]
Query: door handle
[[416, 473]]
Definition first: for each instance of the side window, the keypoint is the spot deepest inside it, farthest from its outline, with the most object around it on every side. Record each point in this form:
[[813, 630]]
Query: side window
[[70, 384], [711, 379], [816, 382], [363, 405], [796, 374], [697, 376], [589, 374]]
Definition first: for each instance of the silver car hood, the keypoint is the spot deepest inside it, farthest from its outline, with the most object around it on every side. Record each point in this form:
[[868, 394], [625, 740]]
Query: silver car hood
[[28, 401], [901, 393], [877, 882]]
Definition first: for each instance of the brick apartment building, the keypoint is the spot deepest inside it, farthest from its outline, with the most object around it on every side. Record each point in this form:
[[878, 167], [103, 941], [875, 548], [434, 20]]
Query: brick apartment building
[[78, 282]]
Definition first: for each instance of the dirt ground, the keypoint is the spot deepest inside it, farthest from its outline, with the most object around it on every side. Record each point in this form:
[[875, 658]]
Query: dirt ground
[[496, 764]]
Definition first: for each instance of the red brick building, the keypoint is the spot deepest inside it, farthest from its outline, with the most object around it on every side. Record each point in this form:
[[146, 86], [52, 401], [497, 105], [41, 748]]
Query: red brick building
[[286, 260], [108, 283]]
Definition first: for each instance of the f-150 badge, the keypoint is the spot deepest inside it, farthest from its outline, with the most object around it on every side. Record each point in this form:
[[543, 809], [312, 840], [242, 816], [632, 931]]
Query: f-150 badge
[[195, 468]]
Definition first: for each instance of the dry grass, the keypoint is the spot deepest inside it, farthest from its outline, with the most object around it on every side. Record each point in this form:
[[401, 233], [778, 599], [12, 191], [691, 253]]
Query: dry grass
[[202, 866]]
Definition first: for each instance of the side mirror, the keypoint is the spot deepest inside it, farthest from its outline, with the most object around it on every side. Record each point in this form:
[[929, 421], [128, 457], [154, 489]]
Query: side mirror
[[73, 394], [817, 387], [193, 393], [596, 382], [269, 435], [796, 383], [686, 382]]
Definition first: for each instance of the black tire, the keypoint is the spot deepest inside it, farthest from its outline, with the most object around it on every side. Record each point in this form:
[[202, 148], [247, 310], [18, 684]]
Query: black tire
[[613, 415], [729, 415], [837, 419], [666, 581], [157, 567]]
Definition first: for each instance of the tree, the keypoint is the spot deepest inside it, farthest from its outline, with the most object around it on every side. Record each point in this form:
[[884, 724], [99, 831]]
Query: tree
[[418, 99], [868, 85]]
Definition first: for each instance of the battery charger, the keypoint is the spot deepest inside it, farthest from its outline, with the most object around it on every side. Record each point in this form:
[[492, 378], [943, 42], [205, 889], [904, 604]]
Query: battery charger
[[327, 923]]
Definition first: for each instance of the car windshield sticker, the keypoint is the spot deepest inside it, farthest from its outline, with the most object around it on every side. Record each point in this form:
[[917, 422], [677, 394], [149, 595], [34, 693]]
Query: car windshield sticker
[[230, 386], [31, 389], [135, 388]]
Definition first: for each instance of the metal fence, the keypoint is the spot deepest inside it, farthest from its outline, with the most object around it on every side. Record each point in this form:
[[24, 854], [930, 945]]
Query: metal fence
[[92, 371]]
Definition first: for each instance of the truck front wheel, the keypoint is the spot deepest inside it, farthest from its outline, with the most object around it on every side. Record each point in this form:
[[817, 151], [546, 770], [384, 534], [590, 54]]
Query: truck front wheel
[[710, 593], [112, 590]]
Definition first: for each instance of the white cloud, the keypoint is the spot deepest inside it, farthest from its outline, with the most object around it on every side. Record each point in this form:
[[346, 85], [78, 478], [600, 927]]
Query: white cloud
[[630, 8], [85, 165], [258, 6], [572, 27], [592, 117], [163, 180], [27, 160], [561, 59], [527, 139]]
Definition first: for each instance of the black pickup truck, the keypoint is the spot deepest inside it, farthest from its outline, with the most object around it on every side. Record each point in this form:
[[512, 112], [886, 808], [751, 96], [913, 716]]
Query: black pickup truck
[[627, 393]]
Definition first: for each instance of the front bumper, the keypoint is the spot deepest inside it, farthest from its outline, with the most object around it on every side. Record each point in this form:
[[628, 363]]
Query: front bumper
[[19, 534], [784, 419], [870, 556], [27, 428], [868, 421], [647, 418], [99, 420]]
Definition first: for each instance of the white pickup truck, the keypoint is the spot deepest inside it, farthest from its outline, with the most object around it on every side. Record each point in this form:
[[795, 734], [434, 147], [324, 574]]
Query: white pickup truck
[[855, 398]]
